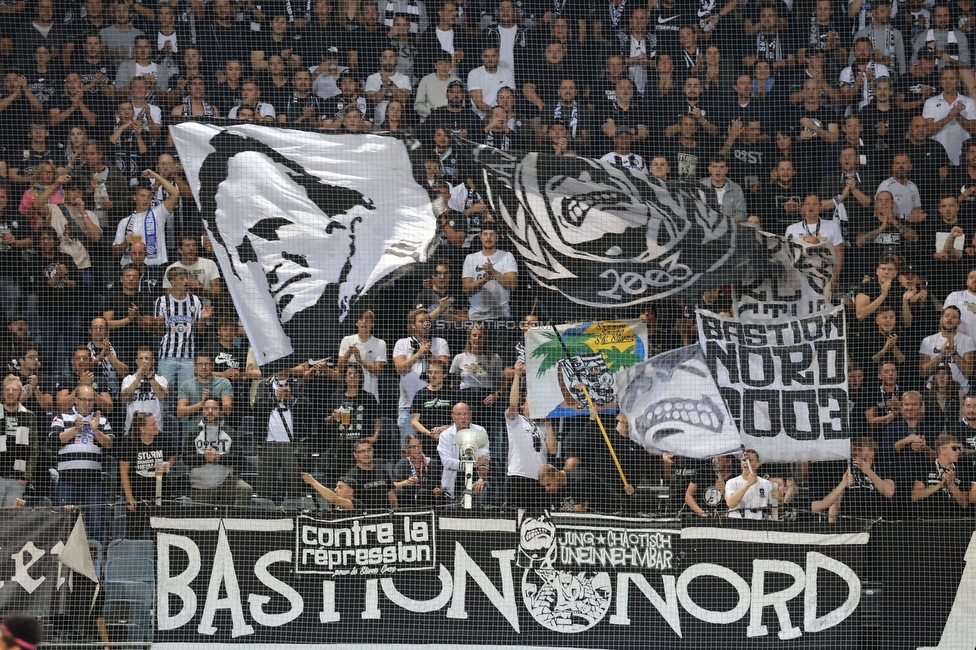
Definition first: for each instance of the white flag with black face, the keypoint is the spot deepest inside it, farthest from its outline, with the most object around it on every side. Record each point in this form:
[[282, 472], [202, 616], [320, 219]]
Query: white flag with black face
[[302, 224]]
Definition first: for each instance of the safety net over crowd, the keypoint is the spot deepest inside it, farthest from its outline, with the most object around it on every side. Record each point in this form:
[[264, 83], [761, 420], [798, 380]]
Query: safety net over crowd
[[478, 323]]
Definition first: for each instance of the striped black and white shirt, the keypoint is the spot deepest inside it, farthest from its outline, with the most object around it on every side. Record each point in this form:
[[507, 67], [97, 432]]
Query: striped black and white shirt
[[79, 459], [180, 318]]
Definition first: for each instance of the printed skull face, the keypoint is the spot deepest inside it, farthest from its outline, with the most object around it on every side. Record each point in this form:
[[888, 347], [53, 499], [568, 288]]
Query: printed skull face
[[537, 541], [674, 407]]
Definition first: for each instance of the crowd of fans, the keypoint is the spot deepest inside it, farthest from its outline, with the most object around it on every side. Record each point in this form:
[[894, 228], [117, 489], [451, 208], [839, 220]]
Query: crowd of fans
[[830, 122]]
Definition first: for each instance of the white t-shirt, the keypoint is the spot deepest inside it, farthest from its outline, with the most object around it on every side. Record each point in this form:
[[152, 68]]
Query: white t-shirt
[[492, 301], [506, 47], [148, 113], [952, 134], [905, 196], [966, 302], [203, 271], [484, 372], [372, 350], [489, 85], [932, 345], [847, 78], [755, 500], [526, 447], [144, 399], [373, 84], [262, 108], [825, 231], [413, 381], [137, 224]]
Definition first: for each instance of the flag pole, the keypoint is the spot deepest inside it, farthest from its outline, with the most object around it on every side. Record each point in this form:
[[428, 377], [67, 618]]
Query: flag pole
[[593, 411]]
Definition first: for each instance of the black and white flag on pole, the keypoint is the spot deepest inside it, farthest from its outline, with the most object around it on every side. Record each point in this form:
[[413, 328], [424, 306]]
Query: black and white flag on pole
[[302, 224]]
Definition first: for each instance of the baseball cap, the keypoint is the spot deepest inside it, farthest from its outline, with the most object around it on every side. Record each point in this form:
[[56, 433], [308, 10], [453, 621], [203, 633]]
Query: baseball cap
[[456, 82], [623, 128], [926, 53]]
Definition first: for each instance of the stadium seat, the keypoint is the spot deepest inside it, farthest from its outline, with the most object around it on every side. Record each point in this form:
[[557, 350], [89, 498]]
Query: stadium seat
[[263, 503], [299, 504], [128, 611], [130, 560]]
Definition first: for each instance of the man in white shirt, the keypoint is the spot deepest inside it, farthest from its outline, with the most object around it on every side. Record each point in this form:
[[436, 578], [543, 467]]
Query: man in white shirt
[[908, 204], [144, 390], [529, 445], [814, 230], [950, 115], [856, 78], [387, 84], [486, 80], [965, 301], [747, 495], [948, 346], [452, 478], [488, 278], [411, 356], [366, 351], [147, 223], [203, 276]]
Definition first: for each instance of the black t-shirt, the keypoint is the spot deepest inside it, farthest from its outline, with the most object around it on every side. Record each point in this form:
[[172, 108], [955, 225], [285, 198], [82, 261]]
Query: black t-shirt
[[666, 24], [434, 409], [224, 359], [774, 196], [862, 499], [363, 411], [142, 459], [749, 162], [942, 504], [128, 338], [810, 153], [372, 488], [59, 298]]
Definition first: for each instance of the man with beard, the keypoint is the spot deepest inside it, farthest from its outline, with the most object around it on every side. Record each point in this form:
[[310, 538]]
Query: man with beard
[[38, 394], [455, 116], [691, 104], [387, 84], [884, 38], [857, 79], [941, 244], [336, 107], [485, 81], [304, 106], [432, 89], [948, 346], [965, 300], [488, 278], [950, 45]]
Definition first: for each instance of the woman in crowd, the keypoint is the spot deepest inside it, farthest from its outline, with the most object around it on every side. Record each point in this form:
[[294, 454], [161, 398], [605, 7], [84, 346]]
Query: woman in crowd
[[477, 373], [46, 188]]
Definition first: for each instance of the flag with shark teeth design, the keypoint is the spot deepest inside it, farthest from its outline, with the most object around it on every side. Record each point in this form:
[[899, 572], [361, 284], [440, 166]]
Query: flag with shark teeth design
[[302, 224]]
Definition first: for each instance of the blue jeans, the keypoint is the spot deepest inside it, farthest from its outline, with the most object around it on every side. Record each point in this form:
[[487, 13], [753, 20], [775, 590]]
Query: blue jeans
[[92, 500], [403, 423], [176, 371]]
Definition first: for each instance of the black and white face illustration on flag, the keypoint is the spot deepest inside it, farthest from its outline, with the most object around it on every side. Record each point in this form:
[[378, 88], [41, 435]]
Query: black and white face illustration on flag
[[302, 223], [673, 406]]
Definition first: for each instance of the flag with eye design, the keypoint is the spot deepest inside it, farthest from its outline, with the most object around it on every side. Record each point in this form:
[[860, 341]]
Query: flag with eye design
[[302, 224]]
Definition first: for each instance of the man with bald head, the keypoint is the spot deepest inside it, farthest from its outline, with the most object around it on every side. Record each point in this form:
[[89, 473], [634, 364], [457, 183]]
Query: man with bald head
[[452, 479]]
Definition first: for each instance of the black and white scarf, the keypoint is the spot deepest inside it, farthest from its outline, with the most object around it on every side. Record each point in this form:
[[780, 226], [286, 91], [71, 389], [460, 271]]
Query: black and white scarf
[[768, 48], [573, 117]]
